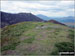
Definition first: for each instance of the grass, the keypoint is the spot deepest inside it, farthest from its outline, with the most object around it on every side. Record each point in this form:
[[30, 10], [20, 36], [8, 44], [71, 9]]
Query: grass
[[10, 46], [32, 40], [29, 40], [65, 46], [10, 34], [30, 34], [71, 34], [16, 30]]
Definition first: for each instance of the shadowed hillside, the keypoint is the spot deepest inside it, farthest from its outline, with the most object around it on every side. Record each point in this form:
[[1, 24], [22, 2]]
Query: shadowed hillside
[[56, 22], [8, 18]]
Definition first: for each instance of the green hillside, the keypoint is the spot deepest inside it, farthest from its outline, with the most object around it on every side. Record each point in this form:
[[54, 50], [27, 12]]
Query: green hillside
[[36, 38]]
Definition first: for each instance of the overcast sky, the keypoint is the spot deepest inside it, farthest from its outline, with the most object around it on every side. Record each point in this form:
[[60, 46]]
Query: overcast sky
[[48, 8]]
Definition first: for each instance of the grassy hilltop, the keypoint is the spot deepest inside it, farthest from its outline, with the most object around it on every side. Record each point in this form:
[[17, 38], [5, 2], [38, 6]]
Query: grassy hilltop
[[36, 38]]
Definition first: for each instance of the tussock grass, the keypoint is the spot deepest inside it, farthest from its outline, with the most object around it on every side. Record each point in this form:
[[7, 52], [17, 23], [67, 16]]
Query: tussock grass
[[36, 41], [10, 46], [29, 40]]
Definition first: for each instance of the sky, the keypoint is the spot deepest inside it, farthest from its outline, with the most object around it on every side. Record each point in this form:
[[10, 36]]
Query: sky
[[47, 8]]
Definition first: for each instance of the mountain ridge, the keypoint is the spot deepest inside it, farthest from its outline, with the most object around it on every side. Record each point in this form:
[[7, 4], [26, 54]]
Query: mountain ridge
[[56, 22], [9, 18], [60, 19]]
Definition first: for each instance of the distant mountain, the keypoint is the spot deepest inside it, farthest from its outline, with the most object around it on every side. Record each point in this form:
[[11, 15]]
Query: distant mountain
[[67, 19], [56, 22], [8, 18], [60, 19], [43, 17]]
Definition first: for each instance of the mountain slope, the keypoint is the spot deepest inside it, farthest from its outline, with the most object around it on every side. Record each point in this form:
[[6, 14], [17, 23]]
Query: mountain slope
[[43, 17], [35, 38], [8, 18], [56, 22], [68, 19]]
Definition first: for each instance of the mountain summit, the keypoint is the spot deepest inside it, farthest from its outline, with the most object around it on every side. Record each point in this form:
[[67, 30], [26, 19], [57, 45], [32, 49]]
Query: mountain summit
[[8, 18]]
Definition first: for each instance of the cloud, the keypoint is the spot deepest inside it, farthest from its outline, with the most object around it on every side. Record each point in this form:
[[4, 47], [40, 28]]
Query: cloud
[[48, 8]]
